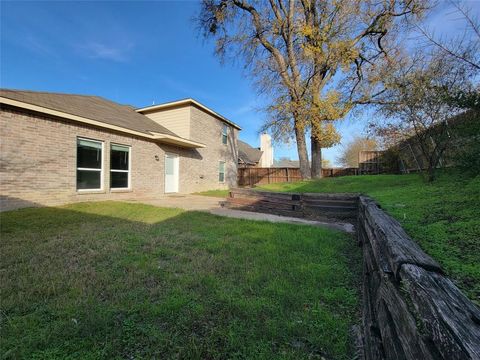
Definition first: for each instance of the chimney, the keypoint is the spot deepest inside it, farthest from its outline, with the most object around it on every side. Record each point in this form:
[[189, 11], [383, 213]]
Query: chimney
[[266, 146]]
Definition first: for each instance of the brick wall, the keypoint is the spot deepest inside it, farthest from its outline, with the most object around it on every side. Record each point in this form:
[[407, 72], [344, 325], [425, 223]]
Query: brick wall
[[208, 130], [38, 161]]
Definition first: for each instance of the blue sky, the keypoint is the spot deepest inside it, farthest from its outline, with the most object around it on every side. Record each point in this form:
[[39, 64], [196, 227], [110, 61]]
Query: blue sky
[[136, 53]]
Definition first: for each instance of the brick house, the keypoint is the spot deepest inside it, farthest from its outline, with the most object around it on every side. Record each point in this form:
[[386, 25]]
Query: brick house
[[61, 148]]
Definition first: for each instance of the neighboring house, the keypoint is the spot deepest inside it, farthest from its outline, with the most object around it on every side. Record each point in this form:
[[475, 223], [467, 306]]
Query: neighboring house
[[249, 156], [286, 163], [60, 148]]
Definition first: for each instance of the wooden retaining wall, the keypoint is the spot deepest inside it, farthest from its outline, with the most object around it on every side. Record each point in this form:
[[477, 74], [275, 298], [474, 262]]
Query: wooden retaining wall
[[410, 309], [311, 206]]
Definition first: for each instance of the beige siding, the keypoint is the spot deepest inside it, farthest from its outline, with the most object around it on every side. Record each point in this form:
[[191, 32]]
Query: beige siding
[[175, 119]]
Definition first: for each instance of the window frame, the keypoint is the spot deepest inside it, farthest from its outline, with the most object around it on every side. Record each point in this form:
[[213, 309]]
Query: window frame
[[224, 170], [225, 134], [102, 166], [129, 171]]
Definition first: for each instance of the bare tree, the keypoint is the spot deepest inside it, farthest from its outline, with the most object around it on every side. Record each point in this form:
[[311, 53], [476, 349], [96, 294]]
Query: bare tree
[[310, 56], [417, 101], [464, 47], [349, 156]]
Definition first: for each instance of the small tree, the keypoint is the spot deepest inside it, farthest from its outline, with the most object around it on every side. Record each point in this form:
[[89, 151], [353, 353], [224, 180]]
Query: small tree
[[326, 163], [349, 156], [418, 98]]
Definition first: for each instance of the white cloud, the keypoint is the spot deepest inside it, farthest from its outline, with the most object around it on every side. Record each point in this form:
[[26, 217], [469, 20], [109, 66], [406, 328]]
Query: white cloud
[[97, 50]]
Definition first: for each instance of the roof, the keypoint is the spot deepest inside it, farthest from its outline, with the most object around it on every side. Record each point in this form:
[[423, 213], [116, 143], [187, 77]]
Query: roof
[[91, 107], [188, 102], [286, 163], [93, 110], [248, 154]]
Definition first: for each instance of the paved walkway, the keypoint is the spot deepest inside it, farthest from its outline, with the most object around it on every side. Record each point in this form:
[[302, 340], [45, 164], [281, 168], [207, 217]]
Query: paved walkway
[[213, 206]]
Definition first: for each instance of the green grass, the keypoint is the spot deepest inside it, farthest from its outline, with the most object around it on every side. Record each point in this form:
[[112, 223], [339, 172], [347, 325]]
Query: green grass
[[443, 216], [214, 193], [116, 280]]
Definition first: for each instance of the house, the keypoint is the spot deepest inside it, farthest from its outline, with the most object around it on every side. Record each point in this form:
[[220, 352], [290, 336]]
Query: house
[[287, 163], [60, 148], [249, 156]]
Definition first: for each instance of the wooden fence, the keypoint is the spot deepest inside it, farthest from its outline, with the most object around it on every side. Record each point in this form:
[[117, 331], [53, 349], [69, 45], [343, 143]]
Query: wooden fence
[[370, 162], [260, 176]]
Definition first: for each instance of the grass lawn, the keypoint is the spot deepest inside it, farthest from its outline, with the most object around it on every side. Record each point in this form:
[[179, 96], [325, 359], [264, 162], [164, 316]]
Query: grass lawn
[[443, 217], [120, 280], [214, 193]]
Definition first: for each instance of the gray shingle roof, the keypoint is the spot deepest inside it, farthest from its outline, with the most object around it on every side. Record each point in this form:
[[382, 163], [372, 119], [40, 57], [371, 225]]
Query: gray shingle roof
[[90, 107], [286, 163], [248, 154]]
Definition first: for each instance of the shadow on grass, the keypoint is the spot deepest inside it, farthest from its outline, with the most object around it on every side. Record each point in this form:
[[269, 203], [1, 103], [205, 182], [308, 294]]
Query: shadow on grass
[[102, 280]]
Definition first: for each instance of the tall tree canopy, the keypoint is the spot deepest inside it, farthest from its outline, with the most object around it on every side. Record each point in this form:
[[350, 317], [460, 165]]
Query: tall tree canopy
[[313, 57]]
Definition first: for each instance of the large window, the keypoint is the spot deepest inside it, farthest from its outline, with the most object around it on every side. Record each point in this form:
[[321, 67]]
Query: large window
[[119, 167], [224, 134], [89, 164], [221, 171]]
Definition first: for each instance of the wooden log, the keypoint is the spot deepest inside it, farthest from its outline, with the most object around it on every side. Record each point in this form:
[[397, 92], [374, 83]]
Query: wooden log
[[378, 248], [401, 336], [398, 247], [339, 196], [449, 319], [373, 346], [263, 203], [333, 202]]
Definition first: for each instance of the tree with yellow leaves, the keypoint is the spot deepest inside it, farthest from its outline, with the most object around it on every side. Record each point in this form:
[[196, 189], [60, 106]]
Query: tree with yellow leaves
[[314, 57]]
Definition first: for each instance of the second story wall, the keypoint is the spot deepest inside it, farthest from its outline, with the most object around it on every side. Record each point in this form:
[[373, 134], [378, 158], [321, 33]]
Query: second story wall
[[176, 119], [207, 129]]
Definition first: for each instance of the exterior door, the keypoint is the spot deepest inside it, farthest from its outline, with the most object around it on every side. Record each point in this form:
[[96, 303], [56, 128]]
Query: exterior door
[[171, 173]]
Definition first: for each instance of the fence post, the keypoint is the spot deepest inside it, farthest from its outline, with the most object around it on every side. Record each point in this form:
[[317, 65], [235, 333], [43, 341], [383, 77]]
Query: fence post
[[287, 174]]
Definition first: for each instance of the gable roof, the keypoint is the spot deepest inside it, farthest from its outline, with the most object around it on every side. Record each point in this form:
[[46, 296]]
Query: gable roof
[[91, 107], [286, 163], [248, 154], [188, 102], [93, 110]]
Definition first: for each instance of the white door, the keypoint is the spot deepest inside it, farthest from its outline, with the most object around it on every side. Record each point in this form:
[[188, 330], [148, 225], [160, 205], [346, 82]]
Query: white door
[[171, 173]]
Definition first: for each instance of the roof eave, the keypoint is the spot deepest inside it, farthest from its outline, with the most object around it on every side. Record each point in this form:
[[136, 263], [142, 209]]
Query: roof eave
[[178, 141], [164, 138], [186, 102]]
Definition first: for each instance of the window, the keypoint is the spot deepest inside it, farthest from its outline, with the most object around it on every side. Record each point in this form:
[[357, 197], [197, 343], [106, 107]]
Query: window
[[89, 164], [224, 134], [221, 171], [119, 167]]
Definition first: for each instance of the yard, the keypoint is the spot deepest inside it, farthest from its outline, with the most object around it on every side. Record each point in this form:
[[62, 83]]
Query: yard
[[443, 216], [120, 280]]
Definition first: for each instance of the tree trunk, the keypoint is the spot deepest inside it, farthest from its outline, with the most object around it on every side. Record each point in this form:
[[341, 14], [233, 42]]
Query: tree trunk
[[302, 153], [316, 159], [431, 173]]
